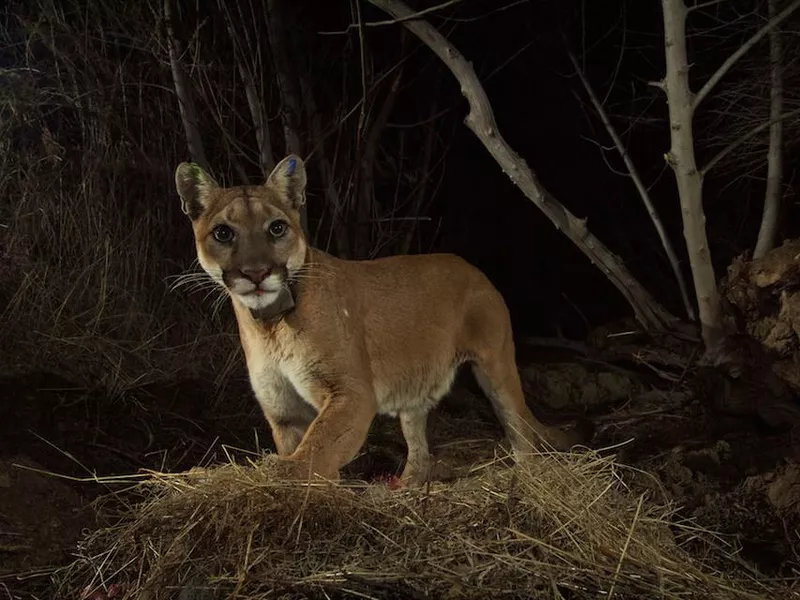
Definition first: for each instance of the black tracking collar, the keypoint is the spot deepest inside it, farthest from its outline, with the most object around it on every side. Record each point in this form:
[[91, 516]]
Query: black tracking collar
[[283, 304]]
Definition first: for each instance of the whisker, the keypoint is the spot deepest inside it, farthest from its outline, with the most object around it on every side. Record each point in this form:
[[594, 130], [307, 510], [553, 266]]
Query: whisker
[[190, 281], [218, 303], [215, 290]]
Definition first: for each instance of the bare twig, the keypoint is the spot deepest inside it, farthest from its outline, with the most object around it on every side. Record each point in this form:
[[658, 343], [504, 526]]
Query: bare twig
[[741, 51], [744, 137], [362, 56], [640, 187], [625, 548], [703, 5], [365, 147], [482, 122], [415, 15]]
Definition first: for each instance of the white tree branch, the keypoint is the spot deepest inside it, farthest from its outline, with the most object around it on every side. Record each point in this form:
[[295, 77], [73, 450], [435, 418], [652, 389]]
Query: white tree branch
[[640, 187], [690, 182], [482, 123]]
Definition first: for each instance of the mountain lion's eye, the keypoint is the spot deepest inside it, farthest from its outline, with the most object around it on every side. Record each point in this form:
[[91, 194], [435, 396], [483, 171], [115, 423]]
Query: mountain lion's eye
[[223, 234], [278, 228]]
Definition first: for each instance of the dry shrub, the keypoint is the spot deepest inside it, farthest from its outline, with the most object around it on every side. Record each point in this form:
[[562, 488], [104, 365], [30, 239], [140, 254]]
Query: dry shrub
[[90, 135], [565, 526], [91, 228]]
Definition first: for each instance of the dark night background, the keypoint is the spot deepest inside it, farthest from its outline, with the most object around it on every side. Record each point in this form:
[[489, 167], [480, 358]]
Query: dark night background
[[93, 134], [111, 357], [519, 51], [542, 111], [93, 237]]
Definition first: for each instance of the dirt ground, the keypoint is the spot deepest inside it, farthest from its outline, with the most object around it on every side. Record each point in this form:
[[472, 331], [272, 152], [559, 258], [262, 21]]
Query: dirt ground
[[727, 473], [56, 437]]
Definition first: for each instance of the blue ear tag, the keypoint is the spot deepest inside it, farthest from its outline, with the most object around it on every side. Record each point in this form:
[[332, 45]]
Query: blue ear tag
[[292, 167]]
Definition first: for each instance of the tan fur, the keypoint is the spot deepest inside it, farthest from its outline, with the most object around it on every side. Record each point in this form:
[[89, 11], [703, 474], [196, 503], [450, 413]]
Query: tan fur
[[363, 337]]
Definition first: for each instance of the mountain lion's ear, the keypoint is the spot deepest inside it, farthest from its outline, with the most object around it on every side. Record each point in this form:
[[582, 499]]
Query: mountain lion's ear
[[288, 178], [194, 186]]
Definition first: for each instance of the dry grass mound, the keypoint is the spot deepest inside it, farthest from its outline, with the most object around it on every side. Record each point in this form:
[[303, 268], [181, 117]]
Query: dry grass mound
[[564, 527]]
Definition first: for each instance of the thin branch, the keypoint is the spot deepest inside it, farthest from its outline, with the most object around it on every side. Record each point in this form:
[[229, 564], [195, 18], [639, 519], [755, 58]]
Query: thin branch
[[741, 51], [362, 117], [640, 187], [488, 13], [416, 15], [482, 123], [736, 143], [703, 5]]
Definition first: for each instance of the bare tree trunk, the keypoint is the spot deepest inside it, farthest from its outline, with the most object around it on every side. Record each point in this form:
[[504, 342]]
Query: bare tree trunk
[[690, 182], [481, 121], [183, 90], [288, 85], [772, 196], [643, 193]]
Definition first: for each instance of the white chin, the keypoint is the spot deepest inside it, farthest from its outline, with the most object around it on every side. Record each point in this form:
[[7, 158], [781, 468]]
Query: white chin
[[258, 301]]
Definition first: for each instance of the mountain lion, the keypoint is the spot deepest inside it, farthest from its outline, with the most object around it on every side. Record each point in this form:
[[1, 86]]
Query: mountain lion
[[330, 343]]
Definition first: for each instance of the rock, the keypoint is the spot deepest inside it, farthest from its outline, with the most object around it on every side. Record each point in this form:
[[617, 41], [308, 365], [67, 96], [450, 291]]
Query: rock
[[571, 385]]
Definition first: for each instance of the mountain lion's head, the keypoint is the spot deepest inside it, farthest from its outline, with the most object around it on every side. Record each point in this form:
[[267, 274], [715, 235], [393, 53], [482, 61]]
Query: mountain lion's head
[[249, 239]]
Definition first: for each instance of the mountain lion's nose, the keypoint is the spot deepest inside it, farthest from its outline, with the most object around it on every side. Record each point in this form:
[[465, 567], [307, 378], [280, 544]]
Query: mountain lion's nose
[[256, 275]]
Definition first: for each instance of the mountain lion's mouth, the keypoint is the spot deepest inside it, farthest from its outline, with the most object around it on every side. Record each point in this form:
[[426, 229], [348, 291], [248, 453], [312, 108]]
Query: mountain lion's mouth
[[257, 291]]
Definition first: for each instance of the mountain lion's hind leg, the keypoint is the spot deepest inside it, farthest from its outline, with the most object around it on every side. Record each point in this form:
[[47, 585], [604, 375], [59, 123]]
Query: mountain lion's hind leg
[[500, 381], [418, 460]]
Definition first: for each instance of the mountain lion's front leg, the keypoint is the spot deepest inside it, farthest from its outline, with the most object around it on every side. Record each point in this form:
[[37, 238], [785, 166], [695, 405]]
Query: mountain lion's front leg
[[287, 434], [288, 415], [337, 433]]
